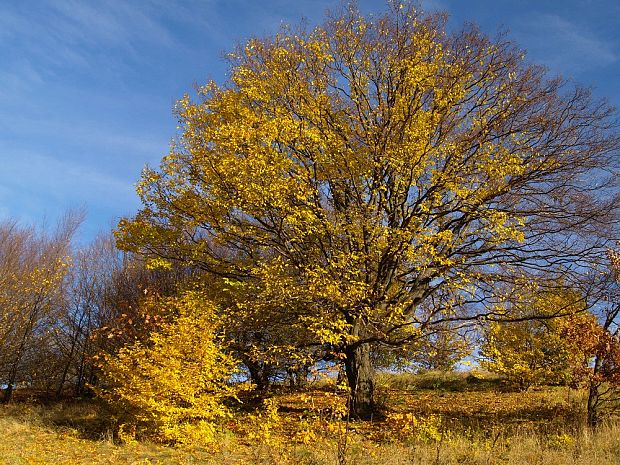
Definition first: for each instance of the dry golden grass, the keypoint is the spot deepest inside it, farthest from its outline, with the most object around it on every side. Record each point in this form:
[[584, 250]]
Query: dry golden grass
[[438, 426], [28, 440]]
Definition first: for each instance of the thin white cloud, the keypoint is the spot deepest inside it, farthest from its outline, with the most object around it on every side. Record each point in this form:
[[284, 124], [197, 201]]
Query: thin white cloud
[[73, 134], [117, 23], [72, 33], [51, 179], [564, 45], [434, 5], [36, 189], [19, 76]]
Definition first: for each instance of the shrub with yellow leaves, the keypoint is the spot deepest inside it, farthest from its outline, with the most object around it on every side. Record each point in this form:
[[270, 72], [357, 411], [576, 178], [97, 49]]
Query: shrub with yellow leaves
[[263, 426], [533, 349], [171, 387], [561, 441], [410, 426]]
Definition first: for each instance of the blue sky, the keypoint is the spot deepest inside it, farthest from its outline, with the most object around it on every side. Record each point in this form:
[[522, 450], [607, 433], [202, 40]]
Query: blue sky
[[87, 87]]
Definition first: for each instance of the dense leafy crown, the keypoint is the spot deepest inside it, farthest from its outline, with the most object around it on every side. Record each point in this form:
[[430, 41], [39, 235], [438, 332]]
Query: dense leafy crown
[[370, 177]]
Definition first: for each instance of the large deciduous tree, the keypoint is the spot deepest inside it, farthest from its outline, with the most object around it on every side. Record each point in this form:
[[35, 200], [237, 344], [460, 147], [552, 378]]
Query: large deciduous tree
[[372, 178]]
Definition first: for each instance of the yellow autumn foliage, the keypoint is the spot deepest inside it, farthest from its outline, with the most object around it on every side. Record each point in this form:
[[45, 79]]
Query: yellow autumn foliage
[[533, 349], [171, 387], [373, 177]]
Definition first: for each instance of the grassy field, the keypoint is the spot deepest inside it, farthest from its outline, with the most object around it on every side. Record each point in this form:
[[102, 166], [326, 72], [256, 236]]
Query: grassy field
[[427, 419]]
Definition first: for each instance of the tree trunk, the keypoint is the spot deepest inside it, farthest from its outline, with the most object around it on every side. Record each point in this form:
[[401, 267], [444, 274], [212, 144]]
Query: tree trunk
[[8, 394], [593, 405], [10, 384], [259, 374], [12, 378], [65, 371], [298, 377], [594, 396], [361, 380]]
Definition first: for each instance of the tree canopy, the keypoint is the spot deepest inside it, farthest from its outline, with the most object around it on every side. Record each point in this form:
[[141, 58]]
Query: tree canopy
[[370, 178]]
